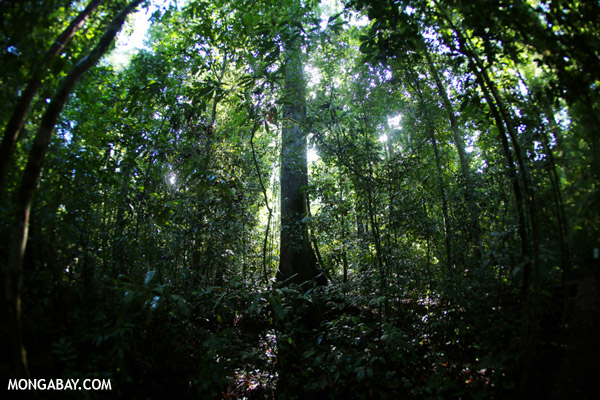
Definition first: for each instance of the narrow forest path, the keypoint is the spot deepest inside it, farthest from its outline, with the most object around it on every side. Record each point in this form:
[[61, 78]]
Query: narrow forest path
[[579, 375]]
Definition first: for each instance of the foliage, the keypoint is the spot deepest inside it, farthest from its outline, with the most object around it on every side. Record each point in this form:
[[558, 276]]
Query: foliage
[[453, 185]]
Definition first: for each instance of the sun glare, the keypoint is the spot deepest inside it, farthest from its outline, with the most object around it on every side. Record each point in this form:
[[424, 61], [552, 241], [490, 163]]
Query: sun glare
[[394, 122], [312, 155]]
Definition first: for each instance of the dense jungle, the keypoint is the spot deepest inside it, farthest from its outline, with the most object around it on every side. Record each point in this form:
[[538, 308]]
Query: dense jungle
[[300, 199]]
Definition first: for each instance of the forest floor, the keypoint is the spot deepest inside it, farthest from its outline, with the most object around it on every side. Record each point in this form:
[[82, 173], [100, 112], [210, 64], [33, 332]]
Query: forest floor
[[566, 362], [579, 374]]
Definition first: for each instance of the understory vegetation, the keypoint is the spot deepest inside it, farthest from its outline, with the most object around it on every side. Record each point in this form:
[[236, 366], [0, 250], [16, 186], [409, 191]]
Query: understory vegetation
[[362, 199]]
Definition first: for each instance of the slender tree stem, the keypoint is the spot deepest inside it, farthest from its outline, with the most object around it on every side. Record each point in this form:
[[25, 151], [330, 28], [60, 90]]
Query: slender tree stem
[[31, 177]]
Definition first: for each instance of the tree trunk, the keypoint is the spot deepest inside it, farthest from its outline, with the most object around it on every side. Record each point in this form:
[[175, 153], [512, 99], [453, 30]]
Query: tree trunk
[[444, 198], [530, 320], [11, 133], [297, 261], [30, 179], [266, 199], [504, 130], [447, 229], [465, 168]]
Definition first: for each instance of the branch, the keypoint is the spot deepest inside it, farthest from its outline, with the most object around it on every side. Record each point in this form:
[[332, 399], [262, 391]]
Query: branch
[[11, 132]]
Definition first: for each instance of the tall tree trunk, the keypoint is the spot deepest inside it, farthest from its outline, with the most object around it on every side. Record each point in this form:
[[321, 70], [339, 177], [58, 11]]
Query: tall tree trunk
[[530, 202], [30, 179], [297, 261], [505, 131], [530, 319], [465, 168], [11, 132], [444, 198], [265, 197], [372, 206], [209, 131], [554, 178], [445, 214]]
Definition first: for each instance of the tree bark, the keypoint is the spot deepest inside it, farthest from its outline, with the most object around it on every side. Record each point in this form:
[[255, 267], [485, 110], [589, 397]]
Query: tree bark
[[450, 264], [447, 229], [462, 156], [505, 130], [531, 279], [11, 132], [266, 199], [297, 261], [31, 177]]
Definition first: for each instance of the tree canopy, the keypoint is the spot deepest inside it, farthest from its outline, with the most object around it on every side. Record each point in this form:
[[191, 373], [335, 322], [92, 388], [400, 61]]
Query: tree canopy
[[298, 199]]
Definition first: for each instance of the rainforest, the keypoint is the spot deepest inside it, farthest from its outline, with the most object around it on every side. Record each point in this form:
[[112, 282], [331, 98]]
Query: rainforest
[[300, 199]]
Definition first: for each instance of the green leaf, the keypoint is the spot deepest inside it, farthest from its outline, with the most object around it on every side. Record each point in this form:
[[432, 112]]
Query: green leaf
[[275, 302], [182, 306], [365, 48], [163, 217], [129, 295], [149, 276], [360, 375], [334, 17]]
